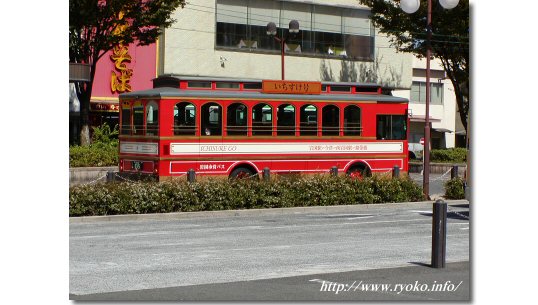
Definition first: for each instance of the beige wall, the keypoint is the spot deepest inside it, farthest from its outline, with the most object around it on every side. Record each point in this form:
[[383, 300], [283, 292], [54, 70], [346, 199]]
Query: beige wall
[[189, 49], [446, 112]]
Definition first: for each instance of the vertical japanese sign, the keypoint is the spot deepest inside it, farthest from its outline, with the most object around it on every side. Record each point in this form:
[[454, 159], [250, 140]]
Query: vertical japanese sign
[[120, 56]]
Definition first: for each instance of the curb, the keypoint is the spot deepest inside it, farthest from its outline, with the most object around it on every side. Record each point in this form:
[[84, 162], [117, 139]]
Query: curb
[[244, 213]]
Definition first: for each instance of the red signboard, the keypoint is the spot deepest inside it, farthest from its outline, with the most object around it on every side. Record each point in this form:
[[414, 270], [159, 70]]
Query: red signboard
[[421, 141]]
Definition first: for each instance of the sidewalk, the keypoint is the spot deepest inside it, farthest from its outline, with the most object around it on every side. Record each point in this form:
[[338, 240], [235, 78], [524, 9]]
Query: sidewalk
[[406, 284]]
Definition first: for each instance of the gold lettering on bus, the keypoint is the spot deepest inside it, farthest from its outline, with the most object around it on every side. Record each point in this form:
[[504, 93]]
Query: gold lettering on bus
[[291, 87]]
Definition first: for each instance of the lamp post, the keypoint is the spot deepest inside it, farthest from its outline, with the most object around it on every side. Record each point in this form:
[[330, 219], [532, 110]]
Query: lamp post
[[411, 6], [271, 31]]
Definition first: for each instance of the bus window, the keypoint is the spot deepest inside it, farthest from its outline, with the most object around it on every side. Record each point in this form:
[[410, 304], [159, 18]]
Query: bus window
[[152, 119], [211, 119], [330, 121], [125, 118], [352, 121], [236, 122], [138, 118], [285, 120], [262, 120], [391, 127], [309, 120], [184, 119]]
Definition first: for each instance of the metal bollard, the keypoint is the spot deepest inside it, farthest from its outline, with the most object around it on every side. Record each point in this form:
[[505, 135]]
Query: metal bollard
[[396, 172], [454, 172], [191, 175], [334, 171], [266, 174], [110, 176], [439, 234]]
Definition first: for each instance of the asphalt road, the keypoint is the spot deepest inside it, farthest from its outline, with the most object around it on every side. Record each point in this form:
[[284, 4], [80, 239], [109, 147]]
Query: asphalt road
[[419, 283], [115, 256]]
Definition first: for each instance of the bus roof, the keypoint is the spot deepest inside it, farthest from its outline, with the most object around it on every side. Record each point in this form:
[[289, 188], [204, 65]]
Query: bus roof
[[168, 92], [247, 80]]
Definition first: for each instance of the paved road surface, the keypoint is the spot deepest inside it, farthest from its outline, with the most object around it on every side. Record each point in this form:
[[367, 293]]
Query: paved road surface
[[417, 282], [114, 256], [437, 183]]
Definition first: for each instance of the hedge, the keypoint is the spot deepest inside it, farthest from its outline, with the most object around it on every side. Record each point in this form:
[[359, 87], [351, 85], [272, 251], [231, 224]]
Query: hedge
[[93, 155], [455, 188], [219, 194], [453, 155]]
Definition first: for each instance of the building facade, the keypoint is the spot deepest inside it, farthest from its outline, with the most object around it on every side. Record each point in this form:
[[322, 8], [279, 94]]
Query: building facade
[[125, 68], [228, 38], [443, 107]]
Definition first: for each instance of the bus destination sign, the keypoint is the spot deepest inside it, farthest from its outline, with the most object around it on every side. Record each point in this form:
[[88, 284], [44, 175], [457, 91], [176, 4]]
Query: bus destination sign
[[291, 87]]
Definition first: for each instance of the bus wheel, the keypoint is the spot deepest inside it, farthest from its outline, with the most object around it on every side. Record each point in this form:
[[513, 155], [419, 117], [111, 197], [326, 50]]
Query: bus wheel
[[358, 172], [242, 173]]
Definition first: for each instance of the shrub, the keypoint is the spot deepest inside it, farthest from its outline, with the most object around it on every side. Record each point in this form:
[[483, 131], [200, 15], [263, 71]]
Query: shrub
[[453, 155], [102, 152], [180, 196], [455, 188]]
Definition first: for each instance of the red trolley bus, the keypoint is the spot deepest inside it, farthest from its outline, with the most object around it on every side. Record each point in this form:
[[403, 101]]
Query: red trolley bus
[[238, 127]]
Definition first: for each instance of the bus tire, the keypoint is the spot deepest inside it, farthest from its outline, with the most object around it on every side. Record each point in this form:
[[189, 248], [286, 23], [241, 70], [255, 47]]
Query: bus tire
[[243, 173], [359, 171]]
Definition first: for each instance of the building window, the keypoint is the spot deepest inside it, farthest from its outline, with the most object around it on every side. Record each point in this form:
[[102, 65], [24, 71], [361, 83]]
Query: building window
[[152, 119], [325, 31], [211, 119], [309, 120], [391, 127], [330, 121], [285, 122], [418, 93], [184, 119], [236, 122], [262, 120], [352, 121]]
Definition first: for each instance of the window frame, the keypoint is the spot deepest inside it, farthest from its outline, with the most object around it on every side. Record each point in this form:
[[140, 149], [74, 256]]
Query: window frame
[[154, 130], [177, 128], [330, 131], [345, 127], [391, 115]]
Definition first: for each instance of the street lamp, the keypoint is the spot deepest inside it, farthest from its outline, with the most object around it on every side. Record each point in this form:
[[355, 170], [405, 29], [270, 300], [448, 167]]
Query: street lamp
[[411, 6], [271, 31]]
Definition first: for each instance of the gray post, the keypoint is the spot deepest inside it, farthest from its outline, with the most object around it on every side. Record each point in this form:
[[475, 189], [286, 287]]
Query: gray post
[[454, 172], [439, 234], [395, 172], [109, 176], [334, 171], [191, 175], [266, 174]]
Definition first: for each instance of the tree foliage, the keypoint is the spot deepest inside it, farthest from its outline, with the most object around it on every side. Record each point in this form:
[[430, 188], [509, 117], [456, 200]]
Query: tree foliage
[[449, 43], [96, 26]]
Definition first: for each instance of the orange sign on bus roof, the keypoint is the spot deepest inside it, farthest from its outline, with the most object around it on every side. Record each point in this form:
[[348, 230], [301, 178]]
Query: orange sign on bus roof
[[291, 87]]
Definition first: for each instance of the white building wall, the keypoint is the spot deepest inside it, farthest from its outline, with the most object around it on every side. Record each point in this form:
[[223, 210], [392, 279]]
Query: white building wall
[[189, 49], [446, 112]]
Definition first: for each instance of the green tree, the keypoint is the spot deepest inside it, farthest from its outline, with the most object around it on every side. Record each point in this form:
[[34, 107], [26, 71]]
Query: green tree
[[450, 39], [96, 26]]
